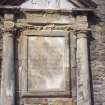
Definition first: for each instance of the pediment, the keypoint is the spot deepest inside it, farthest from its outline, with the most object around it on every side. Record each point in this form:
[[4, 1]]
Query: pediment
[[50, 4]]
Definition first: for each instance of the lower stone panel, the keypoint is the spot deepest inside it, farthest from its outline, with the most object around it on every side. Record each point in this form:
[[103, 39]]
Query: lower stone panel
[[45, 101]]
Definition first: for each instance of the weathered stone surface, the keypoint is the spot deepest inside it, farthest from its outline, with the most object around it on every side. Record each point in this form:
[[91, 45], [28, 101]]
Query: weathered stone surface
[[45, 18], [8, 25], [8, 72], [47, 4], [46, 63], [97, 53], [47, 101], [83, 80], [81, 22], [97, 45]]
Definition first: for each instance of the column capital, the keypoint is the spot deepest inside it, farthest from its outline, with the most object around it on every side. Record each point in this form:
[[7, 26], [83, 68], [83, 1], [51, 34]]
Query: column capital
[[8, 23], [82, 34]]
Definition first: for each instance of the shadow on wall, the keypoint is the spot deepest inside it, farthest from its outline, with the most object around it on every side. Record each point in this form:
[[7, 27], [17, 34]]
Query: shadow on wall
[[86, 3]]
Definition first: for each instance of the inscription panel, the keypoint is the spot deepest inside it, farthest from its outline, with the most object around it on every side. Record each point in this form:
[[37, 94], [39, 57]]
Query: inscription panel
[[46, 64]]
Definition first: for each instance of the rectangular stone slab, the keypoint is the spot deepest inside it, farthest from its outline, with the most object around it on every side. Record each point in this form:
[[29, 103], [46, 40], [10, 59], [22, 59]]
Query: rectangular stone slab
[[46, 64], [48, 101]]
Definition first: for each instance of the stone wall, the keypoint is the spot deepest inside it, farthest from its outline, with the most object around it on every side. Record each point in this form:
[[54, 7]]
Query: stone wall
[[0, 46], [97, 53]]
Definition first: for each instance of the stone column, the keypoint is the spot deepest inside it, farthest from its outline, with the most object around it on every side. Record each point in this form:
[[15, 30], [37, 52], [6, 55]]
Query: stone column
[[8, 72], [73, 46], [83, 81]]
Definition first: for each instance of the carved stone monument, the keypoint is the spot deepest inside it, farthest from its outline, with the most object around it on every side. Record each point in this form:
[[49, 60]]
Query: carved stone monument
[[45, 54]]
